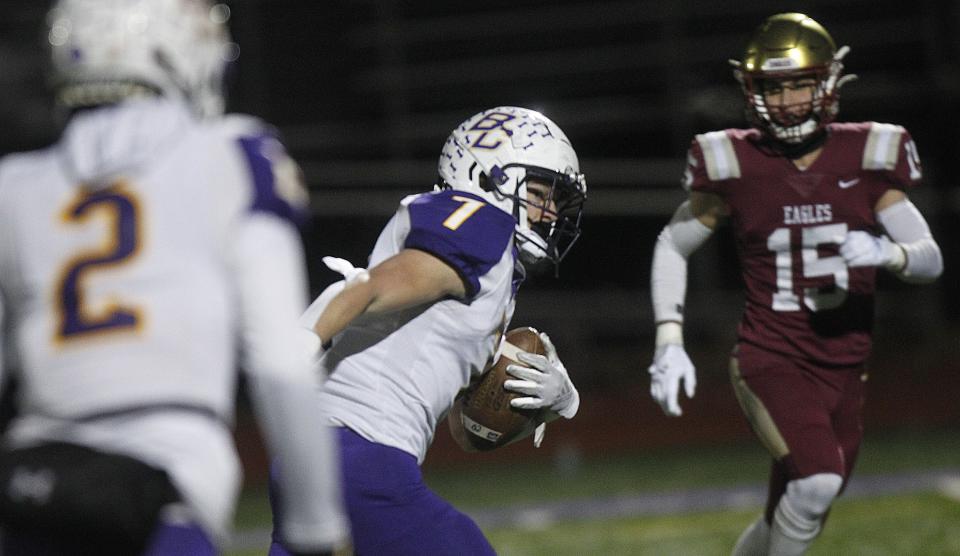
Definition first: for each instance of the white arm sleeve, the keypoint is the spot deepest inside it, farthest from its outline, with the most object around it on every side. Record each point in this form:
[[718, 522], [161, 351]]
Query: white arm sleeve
[[271, 280], [668, 275], [3, 342], [907, 227]]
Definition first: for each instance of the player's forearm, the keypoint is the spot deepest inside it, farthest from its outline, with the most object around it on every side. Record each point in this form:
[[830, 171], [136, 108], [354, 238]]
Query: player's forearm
[[668, 275], [343, 309], [408, 279], [307, 458], [668, 283], [3, 340], [922, 260], [375, 297]]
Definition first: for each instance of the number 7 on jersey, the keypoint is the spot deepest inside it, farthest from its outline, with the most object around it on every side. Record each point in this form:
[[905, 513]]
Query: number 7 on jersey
[[465, 211]]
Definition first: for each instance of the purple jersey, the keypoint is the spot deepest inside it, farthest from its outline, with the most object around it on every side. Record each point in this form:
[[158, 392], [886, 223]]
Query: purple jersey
[[801, 299]]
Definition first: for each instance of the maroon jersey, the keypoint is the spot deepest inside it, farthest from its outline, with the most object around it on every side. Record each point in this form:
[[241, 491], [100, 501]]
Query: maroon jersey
[[801, 299]]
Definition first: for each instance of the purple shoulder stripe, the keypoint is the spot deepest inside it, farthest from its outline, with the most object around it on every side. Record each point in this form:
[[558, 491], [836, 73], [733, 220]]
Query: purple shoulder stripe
[[461, 229], [260, 152]]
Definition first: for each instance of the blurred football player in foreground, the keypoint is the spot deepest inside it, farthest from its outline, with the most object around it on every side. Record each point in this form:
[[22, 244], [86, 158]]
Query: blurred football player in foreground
[[401, 340], [816, 208], [136, 256]]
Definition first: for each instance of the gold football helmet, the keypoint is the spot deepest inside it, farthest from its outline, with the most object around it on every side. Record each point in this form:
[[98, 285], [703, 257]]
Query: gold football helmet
[[792, 51]]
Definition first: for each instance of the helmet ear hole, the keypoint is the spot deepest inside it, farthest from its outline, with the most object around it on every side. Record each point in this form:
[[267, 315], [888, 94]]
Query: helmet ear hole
[[484, 182]]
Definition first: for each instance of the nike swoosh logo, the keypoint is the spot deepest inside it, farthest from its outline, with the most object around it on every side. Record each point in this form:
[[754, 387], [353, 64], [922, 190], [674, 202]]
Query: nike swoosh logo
[[848, 183]]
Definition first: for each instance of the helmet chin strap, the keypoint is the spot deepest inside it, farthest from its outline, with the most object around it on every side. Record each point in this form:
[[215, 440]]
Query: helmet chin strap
[[795, 134], [532, 253]]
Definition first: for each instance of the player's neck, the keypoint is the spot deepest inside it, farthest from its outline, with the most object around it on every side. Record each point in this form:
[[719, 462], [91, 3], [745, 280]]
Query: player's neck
[[805, 153], [802, 155], [805, 161]]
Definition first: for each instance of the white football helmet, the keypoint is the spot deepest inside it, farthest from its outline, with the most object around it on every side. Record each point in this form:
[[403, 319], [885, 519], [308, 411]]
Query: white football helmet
[[494, 153], [105, 51]]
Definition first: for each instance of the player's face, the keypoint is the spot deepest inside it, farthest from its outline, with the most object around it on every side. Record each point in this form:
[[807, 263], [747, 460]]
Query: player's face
[[541, 207], [790, 101]]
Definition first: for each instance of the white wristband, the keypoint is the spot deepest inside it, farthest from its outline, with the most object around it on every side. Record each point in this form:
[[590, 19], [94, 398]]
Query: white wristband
[[670, 332]]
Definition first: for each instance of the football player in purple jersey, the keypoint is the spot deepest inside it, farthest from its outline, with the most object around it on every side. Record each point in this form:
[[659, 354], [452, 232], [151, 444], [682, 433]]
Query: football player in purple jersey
[[816, 208], [401, 340]]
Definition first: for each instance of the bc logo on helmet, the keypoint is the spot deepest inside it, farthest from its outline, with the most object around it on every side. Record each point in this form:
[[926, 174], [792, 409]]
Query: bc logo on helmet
[[490, 123]]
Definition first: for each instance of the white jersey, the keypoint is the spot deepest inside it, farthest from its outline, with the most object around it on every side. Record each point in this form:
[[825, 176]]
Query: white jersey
[[136, 256], [393, 378]]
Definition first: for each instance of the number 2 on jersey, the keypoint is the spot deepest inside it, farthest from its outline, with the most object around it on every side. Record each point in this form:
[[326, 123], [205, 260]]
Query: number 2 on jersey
[[816, 299], [120, 209]]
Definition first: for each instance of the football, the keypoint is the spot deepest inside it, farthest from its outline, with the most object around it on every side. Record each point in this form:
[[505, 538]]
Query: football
[[482, 418]]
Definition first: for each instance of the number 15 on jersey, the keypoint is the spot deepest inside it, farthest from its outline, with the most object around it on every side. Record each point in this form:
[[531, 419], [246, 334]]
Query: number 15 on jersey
[[786, 298]]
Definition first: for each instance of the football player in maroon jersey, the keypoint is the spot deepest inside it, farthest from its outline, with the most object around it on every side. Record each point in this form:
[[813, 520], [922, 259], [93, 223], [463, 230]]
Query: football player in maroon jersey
[[816, 208]]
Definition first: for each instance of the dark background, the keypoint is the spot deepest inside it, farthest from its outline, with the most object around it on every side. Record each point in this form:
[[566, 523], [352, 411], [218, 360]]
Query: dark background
[[365, 92]]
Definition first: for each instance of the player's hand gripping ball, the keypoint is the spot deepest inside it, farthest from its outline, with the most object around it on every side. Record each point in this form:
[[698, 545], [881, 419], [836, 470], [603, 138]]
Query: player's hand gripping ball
[[483, 414]]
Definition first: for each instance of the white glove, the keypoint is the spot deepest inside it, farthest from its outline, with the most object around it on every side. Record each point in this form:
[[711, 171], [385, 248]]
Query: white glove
[[865, 249], [350, 273], [671, 365], [544, 381]]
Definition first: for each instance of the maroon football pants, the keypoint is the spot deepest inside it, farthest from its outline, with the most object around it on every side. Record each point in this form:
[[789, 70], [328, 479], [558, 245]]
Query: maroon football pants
[[808, 417]]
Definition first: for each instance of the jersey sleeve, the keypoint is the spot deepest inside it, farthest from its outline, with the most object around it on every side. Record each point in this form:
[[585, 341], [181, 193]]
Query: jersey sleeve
[[890, 149], [267, 264], [462, 230], [711, 161]]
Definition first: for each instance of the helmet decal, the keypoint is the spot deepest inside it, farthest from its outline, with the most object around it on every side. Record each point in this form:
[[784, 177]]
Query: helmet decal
[[491, 124]]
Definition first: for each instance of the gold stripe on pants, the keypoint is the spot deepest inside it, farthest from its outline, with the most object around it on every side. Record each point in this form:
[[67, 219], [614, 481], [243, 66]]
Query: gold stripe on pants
[[763, 425]]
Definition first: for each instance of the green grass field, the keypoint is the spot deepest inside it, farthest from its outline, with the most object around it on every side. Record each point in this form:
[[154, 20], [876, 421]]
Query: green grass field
[[921, 524], [918, 523]]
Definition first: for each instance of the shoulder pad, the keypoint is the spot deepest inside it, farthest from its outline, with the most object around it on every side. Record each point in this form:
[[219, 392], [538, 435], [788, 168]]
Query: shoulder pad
[[242, 125], [460, 229], [278, 183], [882, 147], [719, 157]]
